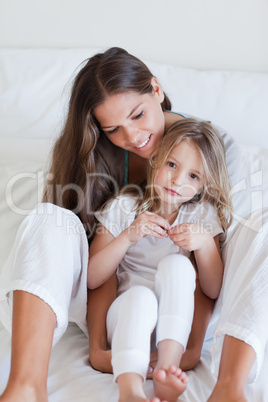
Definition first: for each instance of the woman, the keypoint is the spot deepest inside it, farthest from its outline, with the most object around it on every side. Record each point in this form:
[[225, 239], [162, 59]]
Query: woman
[[115, 103]]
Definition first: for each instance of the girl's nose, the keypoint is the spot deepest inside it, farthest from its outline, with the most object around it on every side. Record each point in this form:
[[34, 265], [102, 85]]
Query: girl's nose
[[177, 179]]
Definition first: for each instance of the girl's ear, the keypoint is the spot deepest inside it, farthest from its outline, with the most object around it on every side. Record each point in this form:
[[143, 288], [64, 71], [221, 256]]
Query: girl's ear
[[158, 90]]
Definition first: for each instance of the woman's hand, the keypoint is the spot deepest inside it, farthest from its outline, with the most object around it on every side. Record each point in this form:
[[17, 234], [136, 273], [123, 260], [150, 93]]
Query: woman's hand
[[189, 236], [146, 224]]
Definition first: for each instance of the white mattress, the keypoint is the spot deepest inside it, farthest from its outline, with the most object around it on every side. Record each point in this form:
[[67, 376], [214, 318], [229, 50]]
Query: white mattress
[[72, 379]]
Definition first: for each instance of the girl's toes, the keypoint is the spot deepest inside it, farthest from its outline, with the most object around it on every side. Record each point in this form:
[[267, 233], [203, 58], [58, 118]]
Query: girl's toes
[[184, 378], [174, 370], [160, 374]]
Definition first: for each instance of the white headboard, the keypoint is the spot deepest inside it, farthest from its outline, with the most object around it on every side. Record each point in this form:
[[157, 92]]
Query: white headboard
[[201, 34]]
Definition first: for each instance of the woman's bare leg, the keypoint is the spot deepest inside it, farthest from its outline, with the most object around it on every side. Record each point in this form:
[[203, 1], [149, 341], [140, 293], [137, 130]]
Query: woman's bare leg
[[237, 359], [32, 335], [98, 303]]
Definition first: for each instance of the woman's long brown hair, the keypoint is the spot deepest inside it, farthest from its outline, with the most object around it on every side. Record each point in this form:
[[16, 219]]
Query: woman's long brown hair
[[80, 178]]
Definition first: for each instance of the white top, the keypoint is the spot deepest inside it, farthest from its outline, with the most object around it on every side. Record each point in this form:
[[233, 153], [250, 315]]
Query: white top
[[139, 265]]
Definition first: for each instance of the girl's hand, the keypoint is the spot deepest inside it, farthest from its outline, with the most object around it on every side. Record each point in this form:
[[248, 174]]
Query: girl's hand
[[189, 236], [147, 224]]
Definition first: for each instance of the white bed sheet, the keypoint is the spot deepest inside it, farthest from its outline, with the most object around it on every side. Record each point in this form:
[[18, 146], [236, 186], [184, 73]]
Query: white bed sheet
[[71, 379]]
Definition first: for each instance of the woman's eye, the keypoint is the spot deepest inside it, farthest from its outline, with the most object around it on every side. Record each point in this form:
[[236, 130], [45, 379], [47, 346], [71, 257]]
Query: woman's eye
[[111, 131], [171, 164], [139, 115], [193, 176]]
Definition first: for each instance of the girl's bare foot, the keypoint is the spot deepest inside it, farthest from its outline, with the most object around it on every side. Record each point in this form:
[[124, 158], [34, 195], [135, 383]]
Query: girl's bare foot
[[169, 384], [131, 388]]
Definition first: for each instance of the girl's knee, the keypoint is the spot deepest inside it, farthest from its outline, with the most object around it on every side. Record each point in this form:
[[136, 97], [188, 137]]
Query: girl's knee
[[141, 293], [176, 264]]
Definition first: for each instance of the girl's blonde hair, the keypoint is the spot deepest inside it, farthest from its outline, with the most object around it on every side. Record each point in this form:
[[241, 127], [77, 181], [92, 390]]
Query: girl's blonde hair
[[208, 142]]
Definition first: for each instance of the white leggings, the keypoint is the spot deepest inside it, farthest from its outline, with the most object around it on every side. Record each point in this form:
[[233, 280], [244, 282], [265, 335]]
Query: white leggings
[[134, 314], [49, 259]]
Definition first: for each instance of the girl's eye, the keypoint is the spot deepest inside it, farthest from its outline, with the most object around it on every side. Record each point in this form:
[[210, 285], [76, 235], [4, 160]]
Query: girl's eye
[[112, 131], [171, 164], [139, 116], [193, 176]]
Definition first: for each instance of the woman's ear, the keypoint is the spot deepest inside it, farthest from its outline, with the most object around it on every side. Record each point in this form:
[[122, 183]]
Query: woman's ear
[[158, 90]]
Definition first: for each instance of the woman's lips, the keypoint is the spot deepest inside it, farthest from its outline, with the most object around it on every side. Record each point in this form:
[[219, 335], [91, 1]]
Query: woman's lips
[[144, 145]]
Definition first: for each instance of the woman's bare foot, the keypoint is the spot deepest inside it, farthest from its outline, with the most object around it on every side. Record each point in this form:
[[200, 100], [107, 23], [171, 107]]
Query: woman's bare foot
[[169, 384], [22, 394], [226, 392]]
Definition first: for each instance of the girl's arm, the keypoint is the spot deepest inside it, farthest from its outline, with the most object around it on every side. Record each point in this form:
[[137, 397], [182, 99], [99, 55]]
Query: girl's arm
[[105, 254], [192, 237], [210, 266], [107, 251]]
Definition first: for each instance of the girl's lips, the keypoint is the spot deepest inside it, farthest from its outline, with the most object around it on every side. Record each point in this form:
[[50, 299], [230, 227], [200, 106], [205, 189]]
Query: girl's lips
[[172, 192], [145, 144]]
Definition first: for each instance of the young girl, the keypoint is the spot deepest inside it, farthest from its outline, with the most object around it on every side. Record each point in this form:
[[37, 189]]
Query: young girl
[[117, 114], [185, 207]]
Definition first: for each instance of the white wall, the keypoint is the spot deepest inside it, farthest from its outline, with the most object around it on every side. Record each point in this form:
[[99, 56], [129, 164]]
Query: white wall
[[204, 34]]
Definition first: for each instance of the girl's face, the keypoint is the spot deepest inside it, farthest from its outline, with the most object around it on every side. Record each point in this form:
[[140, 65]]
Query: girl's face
[[181, 177], [132, 121]]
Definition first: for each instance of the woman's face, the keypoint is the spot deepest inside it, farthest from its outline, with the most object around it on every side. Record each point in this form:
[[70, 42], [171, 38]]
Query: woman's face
[[132, 121]]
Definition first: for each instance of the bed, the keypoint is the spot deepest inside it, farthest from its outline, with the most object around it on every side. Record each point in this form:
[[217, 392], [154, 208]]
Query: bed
[[34, 89]]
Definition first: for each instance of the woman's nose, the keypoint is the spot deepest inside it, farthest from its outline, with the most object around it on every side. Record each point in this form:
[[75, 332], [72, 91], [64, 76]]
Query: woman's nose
[[130, 133]]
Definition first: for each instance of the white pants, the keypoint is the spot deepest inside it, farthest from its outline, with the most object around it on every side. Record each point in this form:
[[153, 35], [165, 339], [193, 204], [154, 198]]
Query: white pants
[[49, 259], [134, 314], [242, 304]]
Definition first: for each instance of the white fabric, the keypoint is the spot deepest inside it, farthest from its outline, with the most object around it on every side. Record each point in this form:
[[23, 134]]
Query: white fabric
[[138, 267], [242, 305], [49, 259], [135, 313]]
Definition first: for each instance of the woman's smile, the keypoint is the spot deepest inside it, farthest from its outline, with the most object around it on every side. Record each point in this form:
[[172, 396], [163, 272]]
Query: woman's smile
[[142, 146]]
